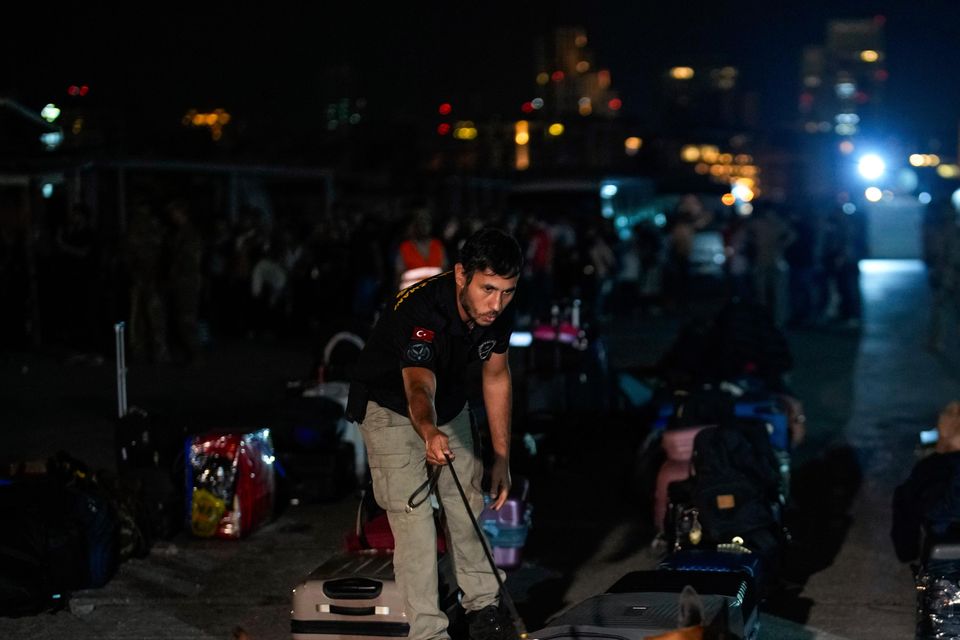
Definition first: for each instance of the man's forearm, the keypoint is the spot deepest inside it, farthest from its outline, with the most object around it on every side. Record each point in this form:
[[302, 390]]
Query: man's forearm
[[423, 415], [498, 400]]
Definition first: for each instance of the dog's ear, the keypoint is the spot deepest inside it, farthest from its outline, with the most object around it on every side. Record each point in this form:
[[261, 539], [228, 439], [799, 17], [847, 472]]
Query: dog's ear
[[690, 613]]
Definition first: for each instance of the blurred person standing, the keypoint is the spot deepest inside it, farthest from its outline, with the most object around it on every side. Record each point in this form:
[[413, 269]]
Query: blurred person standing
[[143, 252], [688, 217], [76, 259], [183, 280], [599, 271], [768, 237], [802, 256], [538, 269], [737, 263], [367, 267], [268, 287], [843, 248], [421, 255]]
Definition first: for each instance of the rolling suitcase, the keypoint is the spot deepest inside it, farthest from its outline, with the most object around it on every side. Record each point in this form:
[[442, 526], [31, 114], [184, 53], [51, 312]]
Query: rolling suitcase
[[149, 455], [142, 441], [354, 596], [231, 484], [645, 603], [725, 559]]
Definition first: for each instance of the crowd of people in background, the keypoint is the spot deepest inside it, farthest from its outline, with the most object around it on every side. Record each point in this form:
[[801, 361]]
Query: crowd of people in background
[[181, 278]]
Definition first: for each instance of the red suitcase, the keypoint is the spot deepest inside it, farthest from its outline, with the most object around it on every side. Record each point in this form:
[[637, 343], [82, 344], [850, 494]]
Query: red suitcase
[[230, 483]]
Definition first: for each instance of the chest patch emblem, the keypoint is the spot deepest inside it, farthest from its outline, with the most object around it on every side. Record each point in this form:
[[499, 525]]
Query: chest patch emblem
[[485, 348], [419, 352]]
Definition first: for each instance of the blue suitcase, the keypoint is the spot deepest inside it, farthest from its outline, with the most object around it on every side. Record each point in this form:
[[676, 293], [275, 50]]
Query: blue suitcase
[[712, 560], [778, 424]]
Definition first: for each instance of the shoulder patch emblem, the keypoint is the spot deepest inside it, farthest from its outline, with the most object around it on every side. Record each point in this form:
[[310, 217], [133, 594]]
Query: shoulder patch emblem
[[419, 352], [485, 348]]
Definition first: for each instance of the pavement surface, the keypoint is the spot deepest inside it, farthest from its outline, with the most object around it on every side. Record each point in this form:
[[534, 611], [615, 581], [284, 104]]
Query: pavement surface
[[867, 392]]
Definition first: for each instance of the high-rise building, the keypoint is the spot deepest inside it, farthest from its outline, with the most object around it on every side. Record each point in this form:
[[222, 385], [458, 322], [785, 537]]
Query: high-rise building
[[843, 79], [841, 99], [569, 82], [706, 95]]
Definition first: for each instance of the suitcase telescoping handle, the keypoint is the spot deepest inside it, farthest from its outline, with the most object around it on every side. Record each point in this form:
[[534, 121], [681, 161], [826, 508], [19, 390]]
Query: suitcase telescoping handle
[[504, 594], [119, 329]]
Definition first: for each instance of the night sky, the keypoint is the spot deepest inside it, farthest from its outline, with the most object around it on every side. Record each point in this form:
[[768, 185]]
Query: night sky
[[270, 59]]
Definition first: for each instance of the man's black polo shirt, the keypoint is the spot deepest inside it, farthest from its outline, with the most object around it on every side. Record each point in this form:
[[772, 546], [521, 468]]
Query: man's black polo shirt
[[421, 327]]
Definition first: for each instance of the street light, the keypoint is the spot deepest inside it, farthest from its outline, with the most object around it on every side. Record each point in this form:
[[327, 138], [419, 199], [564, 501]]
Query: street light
[[871, 166]]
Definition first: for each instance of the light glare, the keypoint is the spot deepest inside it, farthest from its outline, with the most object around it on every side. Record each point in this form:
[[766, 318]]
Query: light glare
[[871, 166]]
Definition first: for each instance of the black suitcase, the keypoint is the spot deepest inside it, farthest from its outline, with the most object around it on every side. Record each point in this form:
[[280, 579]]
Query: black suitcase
[[150, 455], [646, 603]]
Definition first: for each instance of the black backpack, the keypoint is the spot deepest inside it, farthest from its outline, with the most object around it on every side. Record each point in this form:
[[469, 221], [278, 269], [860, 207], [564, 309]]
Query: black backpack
[[736, 480]]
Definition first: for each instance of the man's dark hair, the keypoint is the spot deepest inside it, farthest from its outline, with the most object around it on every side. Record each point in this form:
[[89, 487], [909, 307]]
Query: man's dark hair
[[493, 249]]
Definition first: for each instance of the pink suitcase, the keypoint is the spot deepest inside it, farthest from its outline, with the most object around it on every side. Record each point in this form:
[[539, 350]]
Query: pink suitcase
[[678, 445]]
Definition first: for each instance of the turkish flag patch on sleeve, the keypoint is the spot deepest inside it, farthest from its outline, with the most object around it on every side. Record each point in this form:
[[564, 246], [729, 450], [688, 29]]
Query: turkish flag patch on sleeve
[[424, 335]]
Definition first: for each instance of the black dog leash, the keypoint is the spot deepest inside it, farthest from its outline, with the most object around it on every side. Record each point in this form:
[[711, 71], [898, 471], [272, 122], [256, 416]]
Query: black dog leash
[[504, 594], [426, 489], [428, 486]]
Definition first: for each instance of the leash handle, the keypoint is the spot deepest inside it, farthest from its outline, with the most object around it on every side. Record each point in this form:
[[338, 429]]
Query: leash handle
[[426, 489], [504, 594]]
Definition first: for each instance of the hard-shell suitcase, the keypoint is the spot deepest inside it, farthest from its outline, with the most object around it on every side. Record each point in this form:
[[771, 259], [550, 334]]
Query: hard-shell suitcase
[[507, 529], [645, 603], [231, 485], [716, 560], [355, 596]]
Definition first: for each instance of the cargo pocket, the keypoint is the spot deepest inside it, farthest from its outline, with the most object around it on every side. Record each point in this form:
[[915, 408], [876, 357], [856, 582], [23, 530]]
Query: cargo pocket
[[389, 473]]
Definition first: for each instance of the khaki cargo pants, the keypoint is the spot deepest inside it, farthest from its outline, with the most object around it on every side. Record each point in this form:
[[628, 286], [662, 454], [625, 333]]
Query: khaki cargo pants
[[398, 468]]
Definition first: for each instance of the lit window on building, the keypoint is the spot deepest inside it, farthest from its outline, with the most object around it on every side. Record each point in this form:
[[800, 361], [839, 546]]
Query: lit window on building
[[845, 90]]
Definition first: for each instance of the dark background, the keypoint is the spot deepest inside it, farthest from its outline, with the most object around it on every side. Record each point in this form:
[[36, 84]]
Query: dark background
[[276, 59]]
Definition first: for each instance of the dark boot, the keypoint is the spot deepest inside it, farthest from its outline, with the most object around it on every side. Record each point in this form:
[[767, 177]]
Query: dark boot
[[491, 623]]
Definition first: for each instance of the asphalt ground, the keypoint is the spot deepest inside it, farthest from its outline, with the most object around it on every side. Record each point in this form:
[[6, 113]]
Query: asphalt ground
[[866, 390]]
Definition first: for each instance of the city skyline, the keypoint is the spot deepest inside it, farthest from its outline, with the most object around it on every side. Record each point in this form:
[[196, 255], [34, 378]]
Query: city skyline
[[405, 63]]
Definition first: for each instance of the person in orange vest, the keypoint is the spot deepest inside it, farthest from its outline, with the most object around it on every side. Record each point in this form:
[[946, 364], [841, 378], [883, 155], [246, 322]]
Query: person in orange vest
[[421, 255]]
